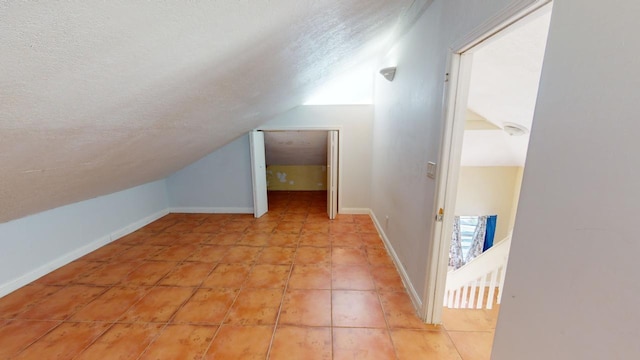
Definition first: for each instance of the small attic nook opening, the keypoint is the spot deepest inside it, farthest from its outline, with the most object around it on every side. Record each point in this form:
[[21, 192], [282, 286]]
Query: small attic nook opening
[[300, 169]]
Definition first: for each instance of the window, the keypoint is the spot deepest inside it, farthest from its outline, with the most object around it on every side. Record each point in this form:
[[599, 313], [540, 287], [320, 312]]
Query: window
[[468, 225]]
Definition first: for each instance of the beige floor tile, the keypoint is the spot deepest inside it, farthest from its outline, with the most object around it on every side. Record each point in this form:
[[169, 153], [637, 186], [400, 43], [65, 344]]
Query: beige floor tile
[[206, 306], [469, 319], [357, 309], [362, 344], [216, 285], [310, 277], [268, 276], [18, 334], [65, 341], [351, 277], [429, 344], [241, 342], [306, 308], [180, 342], [228, 276], [309, 343], [122, 341], [158, 305], [255, 307], [473, 345]]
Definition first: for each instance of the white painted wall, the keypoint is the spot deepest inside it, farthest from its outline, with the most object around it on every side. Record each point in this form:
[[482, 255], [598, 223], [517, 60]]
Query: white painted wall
[[408, 125], [490, 190], [572, 286], [219, 182], [356, 122], [35, 245]]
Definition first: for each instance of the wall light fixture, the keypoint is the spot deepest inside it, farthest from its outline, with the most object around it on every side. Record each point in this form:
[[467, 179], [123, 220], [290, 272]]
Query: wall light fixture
[[389, 73]]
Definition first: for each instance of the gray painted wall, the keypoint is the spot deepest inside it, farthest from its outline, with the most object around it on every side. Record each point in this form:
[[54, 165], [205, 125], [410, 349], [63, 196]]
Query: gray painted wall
[[408, 126], [34, 245], [572, 282], [220, 181]]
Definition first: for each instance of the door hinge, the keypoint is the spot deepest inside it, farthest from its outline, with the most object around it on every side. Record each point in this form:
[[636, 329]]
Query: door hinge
[[440, 215]]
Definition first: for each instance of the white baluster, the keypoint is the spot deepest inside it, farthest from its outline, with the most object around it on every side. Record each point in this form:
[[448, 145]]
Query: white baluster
[[501, 285], [472, 296], [481, 292], [492, 288], [456, 301], [465, 295]]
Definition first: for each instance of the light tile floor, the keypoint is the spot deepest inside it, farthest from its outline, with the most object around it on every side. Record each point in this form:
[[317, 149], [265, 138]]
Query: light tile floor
[[290, 285]]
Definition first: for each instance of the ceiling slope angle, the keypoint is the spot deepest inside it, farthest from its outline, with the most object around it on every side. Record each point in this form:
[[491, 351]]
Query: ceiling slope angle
[[98, 96], [503, 90]]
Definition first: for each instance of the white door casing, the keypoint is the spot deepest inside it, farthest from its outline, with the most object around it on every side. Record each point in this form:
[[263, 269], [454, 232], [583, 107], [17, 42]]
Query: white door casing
[[459, 72], [258, 173], [332, 173]]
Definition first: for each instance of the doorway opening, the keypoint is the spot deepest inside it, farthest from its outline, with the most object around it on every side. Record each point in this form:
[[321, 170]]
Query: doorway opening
[[492, 96], [297, 168]]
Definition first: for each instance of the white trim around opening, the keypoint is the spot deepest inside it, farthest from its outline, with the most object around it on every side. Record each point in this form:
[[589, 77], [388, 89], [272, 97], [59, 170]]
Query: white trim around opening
[[455, 102], [340, 131]]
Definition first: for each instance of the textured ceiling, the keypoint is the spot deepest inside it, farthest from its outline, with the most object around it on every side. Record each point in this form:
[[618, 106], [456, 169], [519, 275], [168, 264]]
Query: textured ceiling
[[98, 96], [504, 87], [295, 147]]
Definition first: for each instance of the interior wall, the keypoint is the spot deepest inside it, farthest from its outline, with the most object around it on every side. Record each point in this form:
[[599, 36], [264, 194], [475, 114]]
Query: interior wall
[[572, 283], [356, 122], [516, 197], [489, 190], [37, 244], [408, 127], [219, 182], [296, 178]]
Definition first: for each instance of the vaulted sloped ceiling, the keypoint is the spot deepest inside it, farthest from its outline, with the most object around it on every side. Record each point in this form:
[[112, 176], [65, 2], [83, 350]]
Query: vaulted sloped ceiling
[[99, 96], [295, 147]]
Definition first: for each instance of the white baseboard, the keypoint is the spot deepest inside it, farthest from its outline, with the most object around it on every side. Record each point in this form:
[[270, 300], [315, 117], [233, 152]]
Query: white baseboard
[[212, 210], [355, 211], [138, 225], [37, 273], [413, 294]]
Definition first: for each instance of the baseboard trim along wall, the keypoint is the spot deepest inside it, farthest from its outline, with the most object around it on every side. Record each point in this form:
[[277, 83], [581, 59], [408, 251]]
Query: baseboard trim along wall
[[413, 294], [31, 276], [212, 210], [37, 273]]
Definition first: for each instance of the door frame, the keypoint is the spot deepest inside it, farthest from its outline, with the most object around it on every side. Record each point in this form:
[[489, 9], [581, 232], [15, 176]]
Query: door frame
[[332, 173], [337, 128], [455, 103], [258, 173]]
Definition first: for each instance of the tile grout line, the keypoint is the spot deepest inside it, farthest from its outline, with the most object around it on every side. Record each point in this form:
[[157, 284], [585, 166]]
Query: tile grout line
[[453, 343], [149, 289], [286, 286], [68, 318], [155, 285], [386, 320], [38, 337], [284, 293], [175, 313], [243, 286], [226, 316]]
